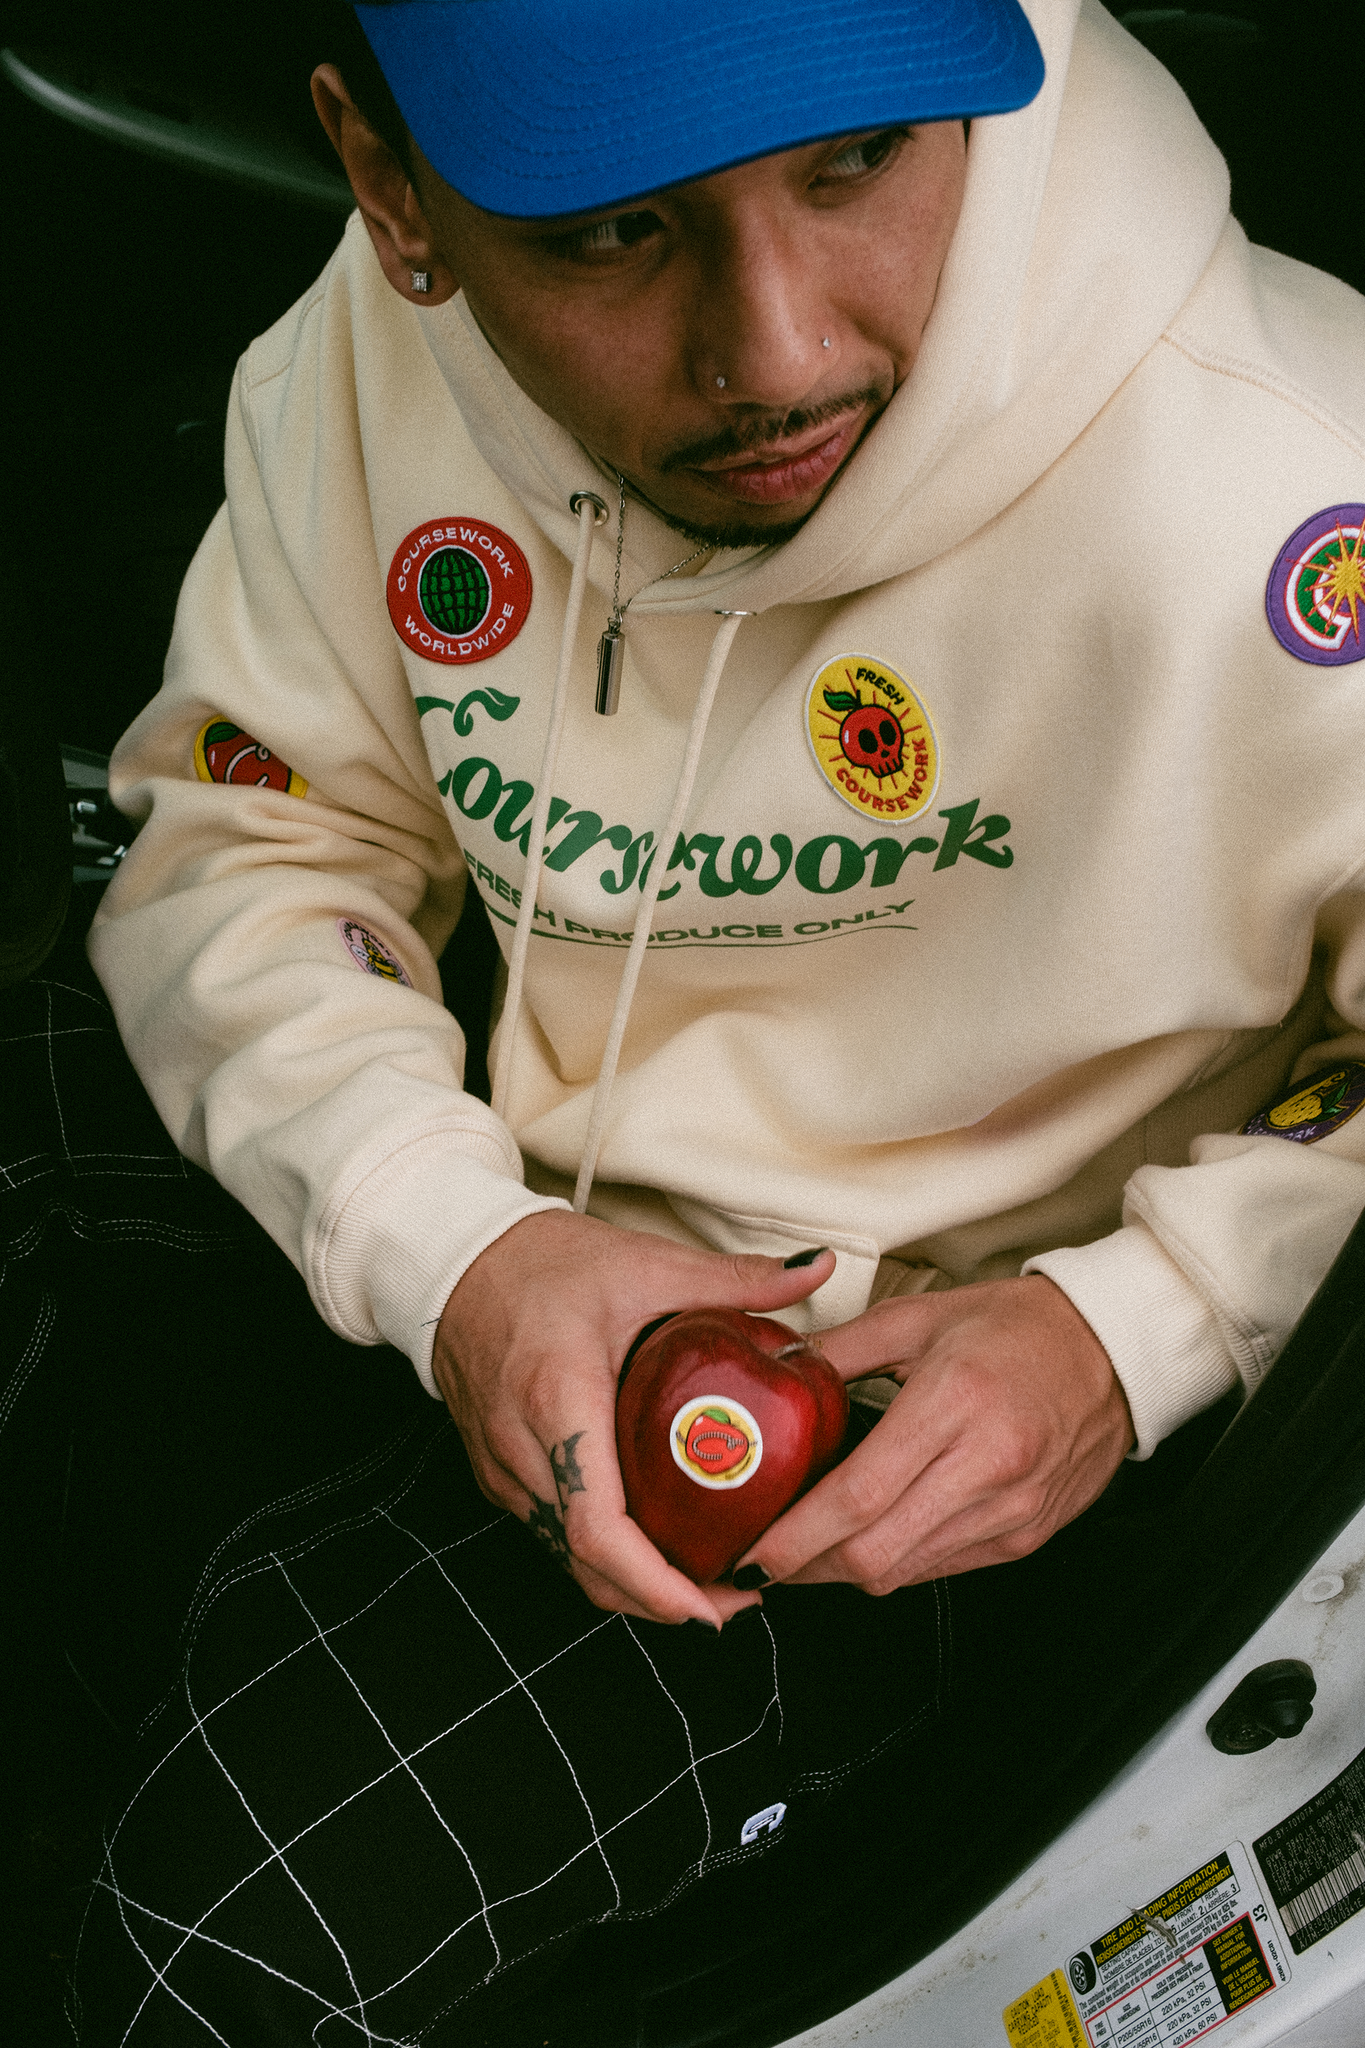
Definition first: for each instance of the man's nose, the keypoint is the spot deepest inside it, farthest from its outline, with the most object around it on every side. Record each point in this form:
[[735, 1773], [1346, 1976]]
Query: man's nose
[[762, 334]]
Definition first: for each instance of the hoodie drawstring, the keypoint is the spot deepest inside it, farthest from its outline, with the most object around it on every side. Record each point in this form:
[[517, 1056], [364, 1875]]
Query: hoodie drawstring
[[591, 512], [644, 916]]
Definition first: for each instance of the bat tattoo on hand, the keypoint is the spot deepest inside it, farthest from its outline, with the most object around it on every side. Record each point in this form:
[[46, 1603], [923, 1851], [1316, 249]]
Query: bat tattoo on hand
[[547, 1521], [546, 1524], [566, 1468]]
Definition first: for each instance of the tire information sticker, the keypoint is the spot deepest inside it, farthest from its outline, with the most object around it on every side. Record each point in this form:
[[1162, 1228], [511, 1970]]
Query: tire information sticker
[[1314, 1862], [1167, 1974]]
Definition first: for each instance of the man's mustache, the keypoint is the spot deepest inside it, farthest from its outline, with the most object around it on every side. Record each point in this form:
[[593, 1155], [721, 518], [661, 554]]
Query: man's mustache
[[769, 429]]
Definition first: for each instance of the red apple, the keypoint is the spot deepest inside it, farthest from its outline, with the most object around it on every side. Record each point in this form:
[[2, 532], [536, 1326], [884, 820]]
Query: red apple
[[722, 1419]]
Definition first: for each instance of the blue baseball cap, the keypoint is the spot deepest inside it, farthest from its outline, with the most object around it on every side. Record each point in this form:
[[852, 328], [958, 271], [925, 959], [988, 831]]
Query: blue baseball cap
[[541, 107]]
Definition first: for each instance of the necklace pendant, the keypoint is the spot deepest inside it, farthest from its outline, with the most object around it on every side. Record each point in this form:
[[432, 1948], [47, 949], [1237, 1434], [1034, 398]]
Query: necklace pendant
[[611, 651]]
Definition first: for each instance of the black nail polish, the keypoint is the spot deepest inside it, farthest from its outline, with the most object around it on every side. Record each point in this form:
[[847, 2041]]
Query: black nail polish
[[805, 1258], [748, 1578]]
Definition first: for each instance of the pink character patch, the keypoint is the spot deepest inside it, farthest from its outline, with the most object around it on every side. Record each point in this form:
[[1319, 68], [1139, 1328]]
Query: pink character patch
[[371, 953]]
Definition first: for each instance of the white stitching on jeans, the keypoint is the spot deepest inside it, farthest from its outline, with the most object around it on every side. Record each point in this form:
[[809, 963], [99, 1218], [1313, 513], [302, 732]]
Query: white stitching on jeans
[[481, 1623], [37, 1344], [404, 1762], [687, 1731]]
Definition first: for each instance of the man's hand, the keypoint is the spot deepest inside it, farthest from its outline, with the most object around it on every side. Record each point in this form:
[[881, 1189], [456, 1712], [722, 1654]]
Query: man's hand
[[1009, 1422], [527, 1355]]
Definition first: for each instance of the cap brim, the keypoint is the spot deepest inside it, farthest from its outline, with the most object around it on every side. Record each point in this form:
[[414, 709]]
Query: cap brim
[[538, 110]]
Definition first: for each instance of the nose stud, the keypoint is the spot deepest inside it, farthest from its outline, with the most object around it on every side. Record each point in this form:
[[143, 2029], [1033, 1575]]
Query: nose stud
[[720, 383], [825, 342]]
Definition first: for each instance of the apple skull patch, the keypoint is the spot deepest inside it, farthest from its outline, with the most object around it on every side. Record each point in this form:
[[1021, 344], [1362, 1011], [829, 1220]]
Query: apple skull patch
[[872, 738]]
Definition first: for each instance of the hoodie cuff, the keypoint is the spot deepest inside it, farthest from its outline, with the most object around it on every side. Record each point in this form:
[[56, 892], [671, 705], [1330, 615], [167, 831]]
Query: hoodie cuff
[[1163, 1339], [384, 1260]]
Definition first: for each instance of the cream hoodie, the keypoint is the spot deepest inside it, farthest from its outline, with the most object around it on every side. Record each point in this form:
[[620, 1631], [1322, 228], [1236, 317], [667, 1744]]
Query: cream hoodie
[[1012, 1002]]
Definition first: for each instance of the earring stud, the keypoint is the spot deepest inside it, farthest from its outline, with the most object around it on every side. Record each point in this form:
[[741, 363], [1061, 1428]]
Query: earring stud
[[421, 280], [720, 383]]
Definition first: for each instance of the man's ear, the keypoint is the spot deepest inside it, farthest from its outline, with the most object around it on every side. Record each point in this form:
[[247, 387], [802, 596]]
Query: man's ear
[[402, 235]]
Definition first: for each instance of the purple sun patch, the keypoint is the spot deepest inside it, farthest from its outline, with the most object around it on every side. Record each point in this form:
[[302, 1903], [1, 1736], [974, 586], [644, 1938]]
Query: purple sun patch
[[1315, 599]]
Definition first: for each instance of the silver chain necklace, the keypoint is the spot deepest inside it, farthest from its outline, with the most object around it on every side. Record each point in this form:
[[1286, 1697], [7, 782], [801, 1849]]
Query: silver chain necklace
[[611, 648]]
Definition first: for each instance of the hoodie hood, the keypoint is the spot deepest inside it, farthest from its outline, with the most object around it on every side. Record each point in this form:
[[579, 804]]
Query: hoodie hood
[[1087, 221]]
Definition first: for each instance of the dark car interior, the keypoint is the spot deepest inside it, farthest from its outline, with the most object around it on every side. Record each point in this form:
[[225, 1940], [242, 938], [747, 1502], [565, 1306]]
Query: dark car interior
[[169, 195]]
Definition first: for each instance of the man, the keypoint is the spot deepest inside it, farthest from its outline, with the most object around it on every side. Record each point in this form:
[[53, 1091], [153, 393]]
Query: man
[[1001, 511]]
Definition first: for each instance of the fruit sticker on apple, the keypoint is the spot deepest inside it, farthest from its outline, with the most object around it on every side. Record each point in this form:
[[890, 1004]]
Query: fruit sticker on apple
[[715, 1441], [722, 1419]]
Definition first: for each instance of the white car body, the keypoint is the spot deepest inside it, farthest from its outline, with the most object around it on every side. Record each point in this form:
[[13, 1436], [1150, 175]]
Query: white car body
[[1178, 1805]]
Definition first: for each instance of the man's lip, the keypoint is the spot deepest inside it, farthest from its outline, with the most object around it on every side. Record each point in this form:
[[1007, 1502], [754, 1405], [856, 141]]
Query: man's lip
[[787, 470]]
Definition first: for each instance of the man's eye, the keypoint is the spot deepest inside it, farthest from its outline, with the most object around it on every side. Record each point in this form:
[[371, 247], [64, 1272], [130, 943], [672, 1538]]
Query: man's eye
[[607, 237], [869, 153]]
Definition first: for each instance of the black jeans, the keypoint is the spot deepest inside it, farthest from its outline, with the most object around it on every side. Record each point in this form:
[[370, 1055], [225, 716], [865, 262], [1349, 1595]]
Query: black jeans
[[376, 1763]]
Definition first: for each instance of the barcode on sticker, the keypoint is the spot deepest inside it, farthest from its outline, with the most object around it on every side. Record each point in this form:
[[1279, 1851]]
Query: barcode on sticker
[[1315, 1874], [1334, 1888]]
